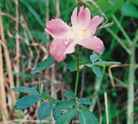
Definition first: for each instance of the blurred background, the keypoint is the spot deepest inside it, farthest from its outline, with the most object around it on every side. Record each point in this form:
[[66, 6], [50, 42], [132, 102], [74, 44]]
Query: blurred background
[[24, 57]]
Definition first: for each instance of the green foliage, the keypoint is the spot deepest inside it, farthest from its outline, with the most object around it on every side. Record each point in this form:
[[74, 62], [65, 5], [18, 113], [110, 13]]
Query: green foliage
[[63, 110], [69, 94], [45, 64], [95, 58], [70, 4], [87, 117], [72, 62], [27, 101], [134, 1], [66, 117], [70, 107], [65, 104], [32, 11], [85, 101], [66, 110], [107, 6], [28, 90], [44, 111], [96, 69], [130, 10], [40, 35]]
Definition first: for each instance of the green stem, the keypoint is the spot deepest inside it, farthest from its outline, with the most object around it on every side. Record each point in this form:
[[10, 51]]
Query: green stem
[[122, 30], [77, 74], [97, 87], [119, 40], [131, 79]]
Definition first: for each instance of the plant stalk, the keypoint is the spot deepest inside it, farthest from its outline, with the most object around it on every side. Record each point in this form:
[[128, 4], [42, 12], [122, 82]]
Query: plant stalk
[[95, 95], [17, 57], [122, 30], [77, 74], [131, 80], [106, 108], [3, 104]]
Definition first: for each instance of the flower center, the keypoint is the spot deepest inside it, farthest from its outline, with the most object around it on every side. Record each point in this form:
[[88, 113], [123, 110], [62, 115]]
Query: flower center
[[79, 33]]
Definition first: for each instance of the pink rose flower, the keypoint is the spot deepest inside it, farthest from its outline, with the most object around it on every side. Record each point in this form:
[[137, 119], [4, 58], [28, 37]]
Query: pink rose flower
[[81, 32]]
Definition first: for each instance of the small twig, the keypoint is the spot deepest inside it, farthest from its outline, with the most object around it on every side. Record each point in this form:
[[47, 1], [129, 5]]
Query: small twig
[[136, 37], [110, 72], [8, 15]]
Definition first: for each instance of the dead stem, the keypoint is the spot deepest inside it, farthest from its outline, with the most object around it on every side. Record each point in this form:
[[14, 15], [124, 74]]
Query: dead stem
[[3, 105], [17, 58], [110, 72], [8, 63], [8, 15], [9, 71]]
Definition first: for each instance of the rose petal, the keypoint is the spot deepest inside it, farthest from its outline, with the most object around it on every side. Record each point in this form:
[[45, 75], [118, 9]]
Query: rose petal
[[84, 16], [57, 49], [70, 48], [60, 47], [74, 17], [93, 43], [94, 23], [56, 28]]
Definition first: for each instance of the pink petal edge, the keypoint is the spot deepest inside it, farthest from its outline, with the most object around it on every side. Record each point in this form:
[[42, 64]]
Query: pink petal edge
[[56, 28], [84, 16], [95, 22], [71, 48], [81, 17], [93, 43], [57, 49], [74, 16]]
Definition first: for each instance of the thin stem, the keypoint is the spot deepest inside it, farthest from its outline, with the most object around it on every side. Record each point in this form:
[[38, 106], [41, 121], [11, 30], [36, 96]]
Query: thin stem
[[17, 57], [57, 7], [95, 95], [99, 9], [106, 108], [131, 79], [82, 83], [118, 40], [122, 29], [97, 87], [77, 74]]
